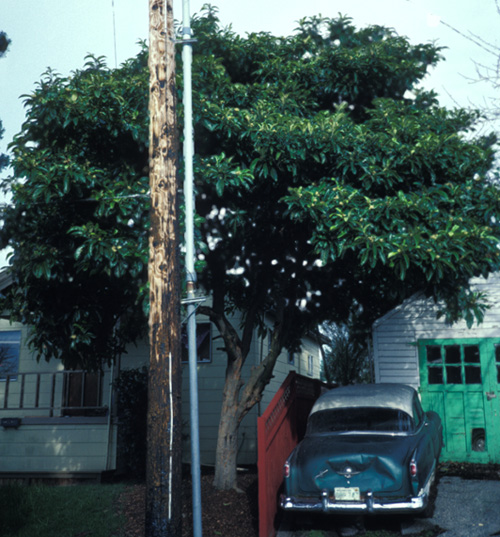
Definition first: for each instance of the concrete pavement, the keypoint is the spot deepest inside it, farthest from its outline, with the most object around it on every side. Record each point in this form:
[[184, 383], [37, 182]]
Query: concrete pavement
[[464, 508]]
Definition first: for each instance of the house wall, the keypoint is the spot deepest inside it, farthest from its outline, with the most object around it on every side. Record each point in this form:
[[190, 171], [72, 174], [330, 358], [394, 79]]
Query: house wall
[[300, 365], [211, 377], [395, 335], [78, 444], [27, 364], [44, 443], [52, 447]]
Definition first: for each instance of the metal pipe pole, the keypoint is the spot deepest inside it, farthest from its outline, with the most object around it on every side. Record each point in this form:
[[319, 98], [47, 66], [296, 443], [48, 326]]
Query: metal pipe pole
[[187, 59]]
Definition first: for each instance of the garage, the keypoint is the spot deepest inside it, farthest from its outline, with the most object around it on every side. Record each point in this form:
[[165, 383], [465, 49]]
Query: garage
[[455, 368]]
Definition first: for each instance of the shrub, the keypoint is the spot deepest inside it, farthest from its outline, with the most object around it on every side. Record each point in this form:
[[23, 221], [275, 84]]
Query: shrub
[[132, 401]]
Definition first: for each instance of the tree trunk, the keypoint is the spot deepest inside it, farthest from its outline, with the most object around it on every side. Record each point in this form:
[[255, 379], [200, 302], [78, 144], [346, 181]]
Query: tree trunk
[[236, 405], [227, 439], [227, 449], [163, 471]]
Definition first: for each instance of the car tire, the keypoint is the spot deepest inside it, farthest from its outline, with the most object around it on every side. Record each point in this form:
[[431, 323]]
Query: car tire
[[428, 512]]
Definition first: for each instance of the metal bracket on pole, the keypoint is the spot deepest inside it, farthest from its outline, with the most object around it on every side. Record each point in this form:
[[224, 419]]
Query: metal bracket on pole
[[184, 41], [193, 300]]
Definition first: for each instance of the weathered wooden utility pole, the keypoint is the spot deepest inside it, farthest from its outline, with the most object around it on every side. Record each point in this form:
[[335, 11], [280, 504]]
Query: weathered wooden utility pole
[[163, 473]]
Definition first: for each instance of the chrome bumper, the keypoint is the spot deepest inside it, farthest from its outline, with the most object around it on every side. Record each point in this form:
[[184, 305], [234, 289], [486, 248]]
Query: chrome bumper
[[369, 505]]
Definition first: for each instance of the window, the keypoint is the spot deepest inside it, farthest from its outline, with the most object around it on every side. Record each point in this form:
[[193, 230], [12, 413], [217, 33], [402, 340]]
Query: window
[[310, 365], [10, 343], [370, 419], [472, 365], [291, 358], [497, 360], [203, 343], [453, 364], [82, 394], [418, 412]]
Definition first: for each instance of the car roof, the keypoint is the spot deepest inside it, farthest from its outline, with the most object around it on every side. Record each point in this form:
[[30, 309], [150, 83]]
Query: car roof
[[399, 396]]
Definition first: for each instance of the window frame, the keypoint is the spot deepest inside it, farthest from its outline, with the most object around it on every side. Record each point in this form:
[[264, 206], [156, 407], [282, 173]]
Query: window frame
[[451, 370], [13, 371], [184, 344], [310, 365]]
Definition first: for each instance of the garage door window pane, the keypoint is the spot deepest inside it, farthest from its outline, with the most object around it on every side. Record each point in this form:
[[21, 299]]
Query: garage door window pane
[[497, 358], [452, 353], [471, 354], [454, 375], [434, 364], [433, 354], [435, 375], [472, 374]]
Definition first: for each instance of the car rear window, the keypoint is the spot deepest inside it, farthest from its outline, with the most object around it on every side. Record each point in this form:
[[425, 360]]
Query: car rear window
[[360, 420]]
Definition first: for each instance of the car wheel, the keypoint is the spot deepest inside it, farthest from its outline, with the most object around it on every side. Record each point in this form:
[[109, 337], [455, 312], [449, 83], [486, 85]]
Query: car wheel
[[428, 512]]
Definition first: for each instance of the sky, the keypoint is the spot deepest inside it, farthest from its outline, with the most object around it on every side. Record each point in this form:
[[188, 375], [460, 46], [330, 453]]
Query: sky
[[60, 33]]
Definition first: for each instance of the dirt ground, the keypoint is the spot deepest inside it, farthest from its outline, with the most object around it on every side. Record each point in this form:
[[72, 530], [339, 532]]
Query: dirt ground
[[223, 513], [227, 514]]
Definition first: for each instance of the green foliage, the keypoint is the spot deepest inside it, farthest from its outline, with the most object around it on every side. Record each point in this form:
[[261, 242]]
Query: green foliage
[[354, 195], [346, 360], [131, 388], [408, 197], [79, 225], [322, 189], [4, 43]]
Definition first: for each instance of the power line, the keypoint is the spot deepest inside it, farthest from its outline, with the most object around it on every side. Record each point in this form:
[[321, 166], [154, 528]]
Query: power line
[[114, 32]]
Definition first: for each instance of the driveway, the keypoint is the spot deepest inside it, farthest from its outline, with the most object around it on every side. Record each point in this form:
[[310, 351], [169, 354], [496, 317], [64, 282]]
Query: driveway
[[467, 508], [464, 508]]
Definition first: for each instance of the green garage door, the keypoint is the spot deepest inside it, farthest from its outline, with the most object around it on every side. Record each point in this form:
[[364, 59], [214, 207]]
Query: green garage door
[[460, 380]]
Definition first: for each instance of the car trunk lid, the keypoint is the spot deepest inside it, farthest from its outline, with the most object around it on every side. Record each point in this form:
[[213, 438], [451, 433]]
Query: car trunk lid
[[369, 462]]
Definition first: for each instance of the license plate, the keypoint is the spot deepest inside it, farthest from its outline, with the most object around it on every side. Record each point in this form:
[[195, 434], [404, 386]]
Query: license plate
[[347, 494]]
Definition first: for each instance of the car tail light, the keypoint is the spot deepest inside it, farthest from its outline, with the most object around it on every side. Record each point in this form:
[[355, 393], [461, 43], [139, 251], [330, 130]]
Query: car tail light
[[286, 469], [413, 468]]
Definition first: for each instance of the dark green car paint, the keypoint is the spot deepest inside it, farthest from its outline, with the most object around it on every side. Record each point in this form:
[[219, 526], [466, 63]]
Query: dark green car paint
[[378, 463]]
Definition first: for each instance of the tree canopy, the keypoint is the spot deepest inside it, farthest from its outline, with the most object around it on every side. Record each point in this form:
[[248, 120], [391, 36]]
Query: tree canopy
[[340, 191], [4, 43], [78, 225], [346, 359], [327, 185]]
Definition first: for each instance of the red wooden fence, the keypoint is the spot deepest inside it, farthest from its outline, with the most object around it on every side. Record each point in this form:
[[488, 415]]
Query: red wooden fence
[[279, 430]]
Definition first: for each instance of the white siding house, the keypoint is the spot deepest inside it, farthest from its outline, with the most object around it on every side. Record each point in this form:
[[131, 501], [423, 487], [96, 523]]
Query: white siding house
[[455, 368], [211, 376], [41, 431], [57, 422]]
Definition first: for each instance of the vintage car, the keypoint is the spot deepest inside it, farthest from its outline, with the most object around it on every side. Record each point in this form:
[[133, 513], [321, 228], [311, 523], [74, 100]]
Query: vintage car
[[368, 449]]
